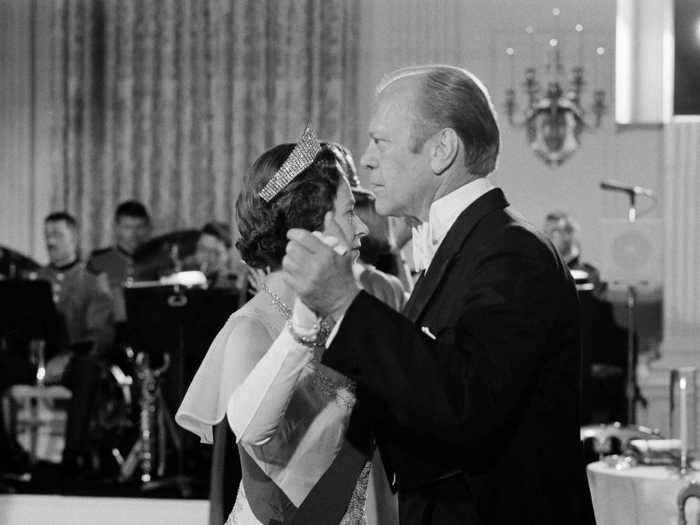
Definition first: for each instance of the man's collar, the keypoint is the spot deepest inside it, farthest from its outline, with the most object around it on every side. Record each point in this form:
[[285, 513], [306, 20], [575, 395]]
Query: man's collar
[[445, 210], [64, 267], [427, 237], [124, 252]]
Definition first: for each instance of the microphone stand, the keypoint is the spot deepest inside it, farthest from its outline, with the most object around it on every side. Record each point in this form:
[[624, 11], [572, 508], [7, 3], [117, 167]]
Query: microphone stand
[[631, 387]]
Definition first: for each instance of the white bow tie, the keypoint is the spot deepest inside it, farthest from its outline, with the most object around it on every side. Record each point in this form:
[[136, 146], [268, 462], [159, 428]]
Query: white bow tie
[[423, 249]]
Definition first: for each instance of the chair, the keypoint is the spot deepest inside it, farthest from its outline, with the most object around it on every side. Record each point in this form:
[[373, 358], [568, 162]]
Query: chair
[[606, 436], [33, 408], [691, 490]]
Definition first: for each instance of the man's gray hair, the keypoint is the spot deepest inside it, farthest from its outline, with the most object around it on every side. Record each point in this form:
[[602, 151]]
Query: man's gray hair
[[452, 97]]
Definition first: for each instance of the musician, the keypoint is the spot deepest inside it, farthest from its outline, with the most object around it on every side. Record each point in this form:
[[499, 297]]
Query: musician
[[562, 230], [84, 304], [608, 339], [213, 255], [132, 227]]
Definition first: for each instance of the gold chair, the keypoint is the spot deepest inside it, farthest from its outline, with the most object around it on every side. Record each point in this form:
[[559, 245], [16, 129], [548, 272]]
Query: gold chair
[[32, 408], [604, 436], [691, 490]]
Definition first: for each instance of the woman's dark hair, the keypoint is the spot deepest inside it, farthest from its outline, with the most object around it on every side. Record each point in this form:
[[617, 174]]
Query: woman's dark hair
[[303, 203]]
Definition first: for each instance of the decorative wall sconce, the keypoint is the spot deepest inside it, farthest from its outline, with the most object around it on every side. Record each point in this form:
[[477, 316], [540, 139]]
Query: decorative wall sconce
[[554, 117]]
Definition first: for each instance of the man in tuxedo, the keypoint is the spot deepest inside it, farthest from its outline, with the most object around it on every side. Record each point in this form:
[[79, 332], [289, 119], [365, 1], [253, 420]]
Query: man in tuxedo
[[473, 391]]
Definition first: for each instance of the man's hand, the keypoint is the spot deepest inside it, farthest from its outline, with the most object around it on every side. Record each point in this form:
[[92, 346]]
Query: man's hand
[[321, 277]]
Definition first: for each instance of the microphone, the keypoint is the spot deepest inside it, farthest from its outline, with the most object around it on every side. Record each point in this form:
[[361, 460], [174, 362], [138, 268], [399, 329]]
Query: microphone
[[612, 185]]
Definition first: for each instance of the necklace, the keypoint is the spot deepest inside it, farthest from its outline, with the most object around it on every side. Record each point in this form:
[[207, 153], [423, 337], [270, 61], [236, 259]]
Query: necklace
[[285, 310], [342, 390]]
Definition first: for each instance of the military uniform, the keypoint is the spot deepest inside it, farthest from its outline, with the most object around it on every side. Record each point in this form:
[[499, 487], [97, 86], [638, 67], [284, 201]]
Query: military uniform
[[84, 305], [118, 265]]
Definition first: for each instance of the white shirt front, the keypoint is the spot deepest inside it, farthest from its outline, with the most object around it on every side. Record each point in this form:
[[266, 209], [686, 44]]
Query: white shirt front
[[428, 236]]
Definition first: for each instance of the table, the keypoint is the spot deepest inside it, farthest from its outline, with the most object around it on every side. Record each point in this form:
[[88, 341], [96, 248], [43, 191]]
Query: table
[[641, 495]]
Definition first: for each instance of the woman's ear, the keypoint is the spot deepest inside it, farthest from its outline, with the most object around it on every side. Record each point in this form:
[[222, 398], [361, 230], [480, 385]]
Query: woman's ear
[[444, 150]]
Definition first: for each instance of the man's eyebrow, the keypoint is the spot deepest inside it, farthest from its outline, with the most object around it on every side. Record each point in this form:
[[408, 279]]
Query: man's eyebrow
[[378, 136]]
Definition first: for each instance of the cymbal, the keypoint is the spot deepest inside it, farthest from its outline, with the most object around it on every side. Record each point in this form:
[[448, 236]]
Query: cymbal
[[156, 257], [13, 263]]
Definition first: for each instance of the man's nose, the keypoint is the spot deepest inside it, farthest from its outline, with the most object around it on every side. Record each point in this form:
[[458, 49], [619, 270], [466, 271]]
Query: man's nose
[[368, 160]]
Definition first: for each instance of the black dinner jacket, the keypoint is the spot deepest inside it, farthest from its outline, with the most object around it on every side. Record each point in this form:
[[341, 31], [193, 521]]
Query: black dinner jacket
[[473, 390]]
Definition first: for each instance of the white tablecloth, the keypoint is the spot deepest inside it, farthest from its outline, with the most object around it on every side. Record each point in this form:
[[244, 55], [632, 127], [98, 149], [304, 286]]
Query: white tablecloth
[[639, 496]]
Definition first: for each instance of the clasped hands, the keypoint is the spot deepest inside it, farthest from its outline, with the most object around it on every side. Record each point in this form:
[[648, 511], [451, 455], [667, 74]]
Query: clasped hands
[[319, 269]]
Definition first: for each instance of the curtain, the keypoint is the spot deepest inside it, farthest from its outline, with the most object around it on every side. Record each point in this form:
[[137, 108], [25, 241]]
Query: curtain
[[169, 101]]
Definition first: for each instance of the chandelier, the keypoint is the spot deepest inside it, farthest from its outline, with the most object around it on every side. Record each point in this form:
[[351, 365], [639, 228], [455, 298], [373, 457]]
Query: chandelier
[[554, 116]]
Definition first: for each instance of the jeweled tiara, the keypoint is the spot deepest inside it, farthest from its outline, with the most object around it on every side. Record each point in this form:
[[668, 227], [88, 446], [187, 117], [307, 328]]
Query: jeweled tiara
[[302, 157]]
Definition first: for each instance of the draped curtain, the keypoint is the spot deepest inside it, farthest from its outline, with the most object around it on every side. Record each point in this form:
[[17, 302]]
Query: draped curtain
[[169, 101]]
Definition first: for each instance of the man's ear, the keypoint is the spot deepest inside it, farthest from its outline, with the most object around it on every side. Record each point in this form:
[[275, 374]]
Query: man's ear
[[444, 150]]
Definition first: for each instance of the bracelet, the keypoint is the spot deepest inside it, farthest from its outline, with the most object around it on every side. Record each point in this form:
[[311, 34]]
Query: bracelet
[[310, 341]]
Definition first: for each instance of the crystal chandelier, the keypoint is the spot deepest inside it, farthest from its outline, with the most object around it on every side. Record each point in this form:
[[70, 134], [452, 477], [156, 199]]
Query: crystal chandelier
[[554, 117]]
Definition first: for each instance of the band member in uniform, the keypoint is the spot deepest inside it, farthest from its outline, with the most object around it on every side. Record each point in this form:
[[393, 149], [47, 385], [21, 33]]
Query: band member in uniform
[[132, 227], [85, 308], [213, 255]]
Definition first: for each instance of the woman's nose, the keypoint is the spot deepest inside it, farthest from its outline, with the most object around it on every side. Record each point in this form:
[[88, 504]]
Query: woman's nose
[[361, 228]]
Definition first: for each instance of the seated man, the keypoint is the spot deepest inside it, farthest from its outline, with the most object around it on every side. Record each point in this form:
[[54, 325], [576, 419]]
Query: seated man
[[132, 226], [561, 229], [84, 305], [608, 339], [213, 255]]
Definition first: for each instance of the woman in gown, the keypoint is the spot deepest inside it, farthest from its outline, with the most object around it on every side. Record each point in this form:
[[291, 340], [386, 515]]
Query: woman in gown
[[306, 450]]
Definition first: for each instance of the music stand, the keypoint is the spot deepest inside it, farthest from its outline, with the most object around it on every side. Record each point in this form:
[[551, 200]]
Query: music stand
[[28, 323], [27, 313], [180, 322]]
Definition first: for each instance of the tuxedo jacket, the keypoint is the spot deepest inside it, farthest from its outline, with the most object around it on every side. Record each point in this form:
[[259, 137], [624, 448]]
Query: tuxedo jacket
[[473, 392]]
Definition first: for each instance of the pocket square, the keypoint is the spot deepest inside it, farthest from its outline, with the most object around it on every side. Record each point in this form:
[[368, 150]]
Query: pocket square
[[427, 332]]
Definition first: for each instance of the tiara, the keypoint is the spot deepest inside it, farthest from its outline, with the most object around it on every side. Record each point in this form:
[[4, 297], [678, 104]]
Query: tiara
[[302, 157]]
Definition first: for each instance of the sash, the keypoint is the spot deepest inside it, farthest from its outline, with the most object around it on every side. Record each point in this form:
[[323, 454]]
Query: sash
[[328, 501]]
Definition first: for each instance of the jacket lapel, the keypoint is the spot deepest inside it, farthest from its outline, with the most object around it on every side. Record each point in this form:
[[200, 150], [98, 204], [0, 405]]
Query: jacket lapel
[[449, 249]]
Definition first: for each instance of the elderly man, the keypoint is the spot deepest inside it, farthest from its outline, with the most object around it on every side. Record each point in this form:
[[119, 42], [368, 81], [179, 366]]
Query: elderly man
[[473, 391]]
